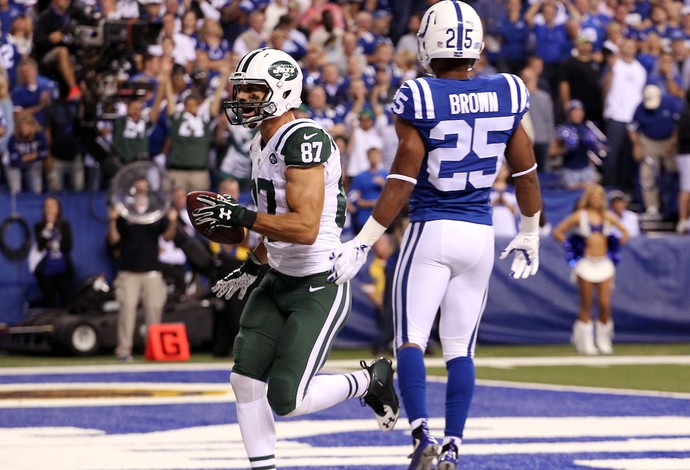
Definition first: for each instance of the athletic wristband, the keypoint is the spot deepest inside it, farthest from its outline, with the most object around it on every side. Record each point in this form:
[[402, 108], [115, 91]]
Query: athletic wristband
[[530, 223], [371, 232], [248, 218]]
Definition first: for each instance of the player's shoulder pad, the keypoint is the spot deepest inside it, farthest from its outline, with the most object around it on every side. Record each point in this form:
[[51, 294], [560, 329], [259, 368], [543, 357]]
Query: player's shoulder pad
[[519, 96], [305, 143], [414, 100]]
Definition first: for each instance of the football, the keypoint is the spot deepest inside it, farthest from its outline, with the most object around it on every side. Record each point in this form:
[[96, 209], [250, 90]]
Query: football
[[223, 235]]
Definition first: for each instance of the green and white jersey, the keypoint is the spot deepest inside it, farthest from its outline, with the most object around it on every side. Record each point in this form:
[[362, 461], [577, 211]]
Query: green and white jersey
[[303, 143]]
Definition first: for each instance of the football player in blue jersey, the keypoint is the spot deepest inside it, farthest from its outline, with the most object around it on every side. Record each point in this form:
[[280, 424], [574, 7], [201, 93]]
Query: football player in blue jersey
[[455, 132]]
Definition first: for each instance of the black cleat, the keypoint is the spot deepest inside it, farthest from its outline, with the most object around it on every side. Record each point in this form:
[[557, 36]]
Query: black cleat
[[381, 396]]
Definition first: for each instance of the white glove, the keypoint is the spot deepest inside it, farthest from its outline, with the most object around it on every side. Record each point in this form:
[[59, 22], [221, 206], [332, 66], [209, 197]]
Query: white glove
[[526, 261], [347, 260], [238, 280]]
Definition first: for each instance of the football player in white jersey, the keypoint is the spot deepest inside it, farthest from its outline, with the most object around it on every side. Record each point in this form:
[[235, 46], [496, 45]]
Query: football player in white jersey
[[455, 132], [292, 317]]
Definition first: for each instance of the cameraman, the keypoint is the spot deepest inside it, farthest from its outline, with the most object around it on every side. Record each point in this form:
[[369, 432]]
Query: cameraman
[[50, 44]]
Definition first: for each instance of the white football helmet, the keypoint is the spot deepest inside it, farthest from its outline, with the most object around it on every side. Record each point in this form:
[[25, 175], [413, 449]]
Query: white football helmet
[[449, 29], [275, 70]]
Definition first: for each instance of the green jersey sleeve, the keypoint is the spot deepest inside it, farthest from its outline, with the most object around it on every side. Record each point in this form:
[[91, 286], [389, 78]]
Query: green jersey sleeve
[[307, 146]]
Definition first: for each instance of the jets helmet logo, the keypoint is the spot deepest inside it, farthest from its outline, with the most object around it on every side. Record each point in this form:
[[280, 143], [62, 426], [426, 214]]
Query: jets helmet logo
[[282, 70]]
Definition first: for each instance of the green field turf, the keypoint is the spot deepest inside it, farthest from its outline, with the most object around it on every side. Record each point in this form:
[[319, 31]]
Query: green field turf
[[652, 377]]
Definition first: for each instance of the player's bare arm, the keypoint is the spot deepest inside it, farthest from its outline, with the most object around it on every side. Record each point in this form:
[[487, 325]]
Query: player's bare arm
[[305, 195], [520, 158], [408, 160]]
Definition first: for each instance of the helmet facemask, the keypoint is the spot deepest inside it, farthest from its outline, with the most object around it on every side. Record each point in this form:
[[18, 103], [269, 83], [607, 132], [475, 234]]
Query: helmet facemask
[[236, 110]]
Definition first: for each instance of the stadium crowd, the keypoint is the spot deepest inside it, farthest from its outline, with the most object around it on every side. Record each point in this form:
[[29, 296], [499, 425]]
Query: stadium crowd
[[88, 86]]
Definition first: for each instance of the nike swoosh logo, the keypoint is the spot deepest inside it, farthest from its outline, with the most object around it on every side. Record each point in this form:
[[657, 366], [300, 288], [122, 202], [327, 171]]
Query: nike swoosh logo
[[309, 136], [314, 289]]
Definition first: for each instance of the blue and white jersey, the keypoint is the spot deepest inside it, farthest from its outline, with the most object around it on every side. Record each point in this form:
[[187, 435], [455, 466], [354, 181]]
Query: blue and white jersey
[[465, 126]]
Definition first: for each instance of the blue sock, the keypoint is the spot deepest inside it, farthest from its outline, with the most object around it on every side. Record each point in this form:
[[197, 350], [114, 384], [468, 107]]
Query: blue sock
[[459, 393], [412, 382]]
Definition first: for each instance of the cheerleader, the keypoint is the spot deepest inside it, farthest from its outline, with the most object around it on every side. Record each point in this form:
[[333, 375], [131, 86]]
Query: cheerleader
[[592, 253]]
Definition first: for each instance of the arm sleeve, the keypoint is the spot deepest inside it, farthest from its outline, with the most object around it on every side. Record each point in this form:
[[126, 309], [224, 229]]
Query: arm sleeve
[[307, 146]]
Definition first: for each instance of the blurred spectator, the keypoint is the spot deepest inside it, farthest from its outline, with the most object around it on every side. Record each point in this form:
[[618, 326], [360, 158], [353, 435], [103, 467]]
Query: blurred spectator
[[54, 271], [514, 36], [311, 66], [10, 57], [653, 134], [366, 40], [334, 84], [9, 10], [21, 35], [363, 137], [191, 134], [618, 203], [383, 62], [151, 10], [254, 37], [622, 86], [365, 189], [536, 65], [148, 70], [325, 115], [351, 51], [650, 51], [188, 26], [273, 12], [680, 62], [406, 61], [541, 114], [552, 43], [383, 91], [504, 205], [184, 52], [665, 76], [50, 45], [66, 163], [408, 42], [385, 127], [312, 17], [683, 163], [130, 134], [355, 71], [582, 147], [581, 78], [6, 125], [295, 42], [27, 149], [234, 161], [212, 50], [34, 92], [139, 274], [328, 34], [594, 20]]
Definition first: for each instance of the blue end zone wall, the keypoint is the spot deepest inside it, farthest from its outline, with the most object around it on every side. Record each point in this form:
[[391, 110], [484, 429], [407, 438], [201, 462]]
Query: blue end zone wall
[[650, 303]]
